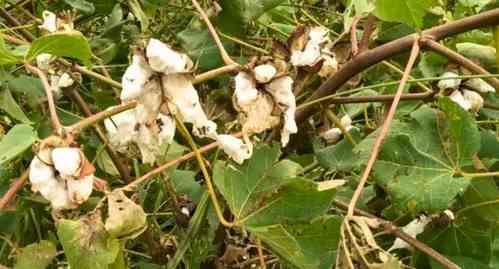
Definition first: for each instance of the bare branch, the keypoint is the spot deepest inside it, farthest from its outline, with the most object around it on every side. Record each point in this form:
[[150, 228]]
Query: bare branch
[[14, 188]]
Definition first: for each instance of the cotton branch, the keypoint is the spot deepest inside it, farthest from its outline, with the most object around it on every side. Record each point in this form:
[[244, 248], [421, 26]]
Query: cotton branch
[[225, 56], [56, 123], [385, 128], [14, 188], [459, 59]]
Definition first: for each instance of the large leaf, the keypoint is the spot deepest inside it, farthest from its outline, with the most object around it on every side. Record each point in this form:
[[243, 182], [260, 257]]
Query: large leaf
[[81, 5], [17, 140], [268, 198], [36, 256], [339, 157], [200, 46], [9, 105], [482, 199], [236, 14], [421, 160], [410, 12], [86, 244], [70, 44], [6, 56], [305, 245]]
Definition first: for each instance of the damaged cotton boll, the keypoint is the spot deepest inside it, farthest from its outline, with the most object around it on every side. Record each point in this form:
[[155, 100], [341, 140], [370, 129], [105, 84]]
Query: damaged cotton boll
[[333, 135], [180, 91], [329, 66], [474, 99], [44, 60], [414, 228], [450, 80], [282, 91], [135, 78], [165, 60], [264, 73], [65, 81], [311, 54], [458, 98], [49, 22], [167, 129], [479, 85], [235, 148]]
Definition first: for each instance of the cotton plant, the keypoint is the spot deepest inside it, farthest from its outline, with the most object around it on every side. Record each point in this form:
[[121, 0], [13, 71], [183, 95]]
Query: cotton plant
[[333, 135], [263, 95], [62, 175], [311, 46], [466, 94]]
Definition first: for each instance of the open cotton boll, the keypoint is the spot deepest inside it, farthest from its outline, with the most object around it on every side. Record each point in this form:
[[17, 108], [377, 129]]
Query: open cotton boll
[[458, 98], [329, 66], [67, 161], [149, 102], [451, 81], [281, 90], [121, 129], [55, 191], [135, 78], [246, 91], [44, 60], [40, 170], [49, 21], [148, 144], [79, 190], [183, 95], [414, 228], [312, 52], [332, 135], [165, 60], [479, 85], [264, 73], [235, 148], [65, 81], [474, 99]]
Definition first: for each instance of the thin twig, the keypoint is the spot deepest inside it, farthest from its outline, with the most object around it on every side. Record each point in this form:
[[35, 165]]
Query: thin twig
[[225, 56], [459, 59], [14, 22], [368, 31], [56, 123], [14, 188], [385, 128], [216, 72], [261, 258], [353, 36]]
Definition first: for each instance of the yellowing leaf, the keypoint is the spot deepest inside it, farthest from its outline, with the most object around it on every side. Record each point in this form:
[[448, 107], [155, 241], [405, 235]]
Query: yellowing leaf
[[126, 218]]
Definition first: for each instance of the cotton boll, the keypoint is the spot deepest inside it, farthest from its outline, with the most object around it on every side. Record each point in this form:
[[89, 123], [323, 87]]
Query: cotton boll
[[246, 91], [44, 60], [67, 161], [451, 81], [40, 170], [475, 100], [121, 129], [458, 98], [281, 90], [235, 148], [181, 92], [332, 135], [346, 121], [165, 60], [329, 66], [135, 78], [265, 72], [65, 81], [414, 228], [55, 191], [79, 190], [167, 129], [54, 86], [149, 102], [479, 85], [312, 52], [147, 143], [49, 21]]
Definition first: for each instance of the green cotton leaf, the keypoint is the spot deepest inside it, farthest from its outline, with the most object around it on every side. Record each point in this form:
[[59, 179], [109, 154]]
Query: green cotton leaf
[[184, 182], [307, 246], [199, 45], [16, 141], [86, 243], [36, 256], [139, 13], [70, 44], [465, 237], [81, 5], [339, 157], [421, 159], [10, 106], [485, 54], [7, 57], [410, 12], [236, 14], [356, 8], [490, 145], [482, 199], [126, 218]]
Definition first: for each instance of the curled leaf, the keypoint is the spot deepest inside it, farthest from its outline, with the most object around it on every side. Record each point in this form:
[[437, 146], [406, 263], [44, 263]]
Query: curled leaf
[[126, 219]]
